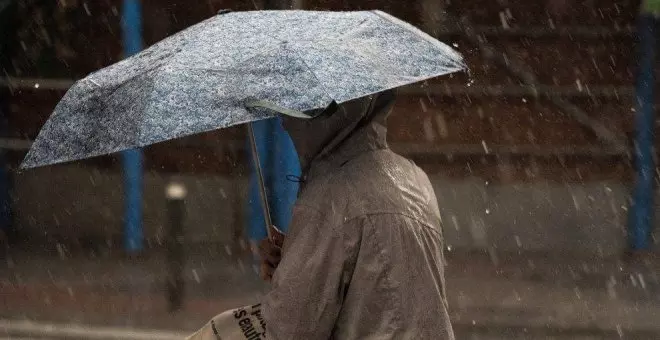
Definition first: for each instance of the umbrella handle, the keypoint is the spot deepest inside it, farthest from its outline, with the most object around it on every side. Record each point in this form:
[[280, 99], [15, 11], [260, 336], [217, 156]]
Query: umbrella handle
[[265, 104], [260, 178]]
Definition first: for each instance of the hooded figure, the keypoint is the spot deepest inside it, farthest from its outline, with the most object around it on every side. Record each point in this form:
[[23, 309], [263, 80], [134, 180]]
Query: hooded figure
[[363, 258]]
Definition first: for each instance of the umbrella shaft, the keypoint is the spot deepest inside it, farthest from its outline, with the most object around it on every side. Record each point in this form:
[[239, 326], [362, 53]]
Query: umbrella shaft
[[260, 178]]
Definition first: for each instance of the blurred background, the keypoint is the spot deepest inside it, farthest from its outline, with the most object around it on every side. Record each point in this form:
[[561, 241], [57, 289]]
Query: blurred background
[[531, 153]]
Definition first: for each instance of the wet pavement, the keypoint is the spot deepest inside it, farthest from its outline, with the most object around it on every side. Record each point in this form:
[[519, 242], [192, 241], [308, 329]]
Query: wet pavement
[[492, 296]]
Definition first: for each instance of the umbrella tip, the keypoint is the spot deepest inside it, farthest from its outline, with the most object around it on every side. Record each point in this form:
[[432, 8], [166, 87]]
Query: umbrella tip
[[224, 11]]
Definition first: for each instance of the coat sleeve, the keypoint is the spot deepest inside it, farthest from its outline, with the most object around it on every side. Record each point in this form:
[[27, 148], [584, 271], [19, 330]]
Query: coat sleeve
[[310, 281]]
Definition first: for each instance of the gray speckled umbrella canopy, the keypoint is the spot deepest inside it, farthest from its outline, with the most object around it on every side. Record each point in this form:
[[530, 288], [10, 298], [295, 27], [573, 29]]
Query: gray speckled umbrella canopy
[[201, 78]]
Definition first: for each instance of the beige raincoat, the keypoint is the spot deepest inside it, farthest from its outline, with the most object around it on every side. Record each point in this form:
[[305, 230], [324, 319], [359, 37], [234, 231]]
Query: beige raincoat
[[363, 258]]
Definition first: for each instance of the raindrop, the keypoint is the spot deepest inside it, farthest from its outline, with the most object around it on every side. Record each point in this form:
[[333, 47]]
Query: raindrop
[[455, 45], [36, 86], [600, 74], [454, 220], [493, 256], [504, 21], [575, 202], [611, 290], [61, 251], [87, 9], [429, 132], [422, 105], [441, 125], [642, 282], [196, 276], [241, 267], [483, 144]]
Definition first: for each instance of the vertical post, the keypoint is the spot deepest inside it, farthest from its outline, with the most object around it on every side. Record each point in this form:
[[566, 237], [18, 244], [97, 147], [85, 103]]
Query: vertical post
[[7, 42], [641, 214], [132, 159], [5, 198], [176, 193]]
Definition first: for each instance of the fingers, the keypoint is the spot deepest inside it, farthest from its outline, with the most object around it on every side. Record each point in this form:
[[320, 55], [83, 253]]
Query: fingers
[[267, 272], [270, 252], [277, 236]]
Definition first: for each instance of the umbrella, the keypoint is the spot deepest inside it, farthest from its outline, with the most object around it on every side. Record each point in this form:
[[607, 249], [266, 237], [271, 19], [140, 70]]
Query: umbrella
[[235, 68], [238, 68]]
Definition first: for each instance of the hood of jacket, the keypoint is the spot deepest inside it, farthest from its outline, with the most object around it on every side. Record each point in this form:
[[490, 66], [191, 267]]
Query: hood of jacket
[[355, 127]]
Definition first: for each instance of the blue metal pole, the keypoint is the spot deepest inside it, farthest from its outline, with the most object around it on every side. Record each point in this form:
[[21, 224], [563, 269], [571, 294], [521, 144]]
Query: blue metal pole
[[279, 159], [132, 159], [285, 163], [5, 199], [641, 214], [7, 40]]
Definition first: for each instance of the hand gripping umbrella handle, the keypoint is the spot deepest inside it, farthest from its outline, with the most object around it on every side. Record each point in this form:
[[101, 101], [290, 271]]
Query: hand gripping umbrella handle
[[260, 181]]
